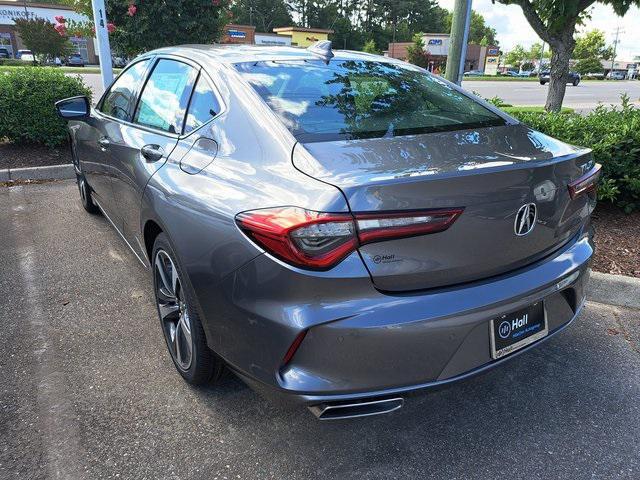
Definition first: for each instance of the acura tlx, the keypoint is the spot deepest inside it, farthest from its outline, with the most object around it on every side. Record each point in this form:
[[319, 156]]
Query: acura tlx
[[337, 228]]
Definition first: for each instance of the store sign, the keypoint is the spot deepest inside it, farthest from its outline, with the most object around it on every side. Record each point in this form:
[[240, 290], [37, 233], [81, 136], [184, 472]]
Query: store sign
[[493, 51], [9, 12], [435, 41], [236, 34]]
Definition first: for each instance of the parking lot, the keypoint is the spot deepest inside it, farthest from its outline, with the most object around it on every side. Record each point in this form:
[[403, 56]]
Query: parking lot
[[88, 389]]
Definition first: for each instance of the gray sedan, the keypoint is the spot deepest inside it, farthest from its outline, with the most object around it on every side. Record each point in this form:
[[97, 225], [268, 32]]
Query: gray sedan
[[337, 228]]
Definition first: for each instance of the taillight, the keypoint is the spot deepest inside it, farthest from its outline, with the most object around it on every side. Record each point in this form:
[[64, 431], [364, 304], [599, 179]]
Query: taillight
[[319, 240], [586, 183]]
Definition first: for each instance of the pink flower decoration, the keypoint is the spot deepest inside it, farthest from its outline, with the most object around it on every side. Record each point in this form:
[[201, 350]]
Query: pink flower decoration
[[61, 29], [215, 2], [131, 11], [59, 19], [111, 27]]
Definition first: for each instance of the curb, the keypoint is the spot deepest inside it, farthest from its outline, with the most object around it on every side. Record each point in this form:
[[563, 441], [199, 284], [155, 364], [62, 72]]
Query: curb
[[51, 172], [617, 290]]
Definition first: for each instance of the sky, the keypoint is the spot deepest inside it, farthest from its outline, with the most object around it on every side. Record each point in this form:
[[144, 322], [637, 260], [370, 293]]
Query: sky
[[513, 28]]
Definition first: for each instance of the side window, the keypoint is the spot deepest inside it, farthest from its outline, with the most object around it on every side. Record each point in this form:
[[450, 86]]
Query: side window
[[203, 107], [165, 96], [121, 98]]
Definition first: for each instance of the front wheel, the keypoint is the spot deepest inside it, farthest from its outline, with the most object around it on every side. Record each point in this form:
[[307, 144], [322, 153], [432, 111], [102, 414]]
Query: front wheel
[[576, 82], [542, 83], [179, 319], [85, 194]]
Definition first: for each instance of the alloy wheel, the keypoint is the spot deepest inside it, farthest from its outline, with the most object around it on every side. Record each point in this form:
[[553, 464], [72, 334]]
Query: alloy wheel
[[82, 186], [173, 310]]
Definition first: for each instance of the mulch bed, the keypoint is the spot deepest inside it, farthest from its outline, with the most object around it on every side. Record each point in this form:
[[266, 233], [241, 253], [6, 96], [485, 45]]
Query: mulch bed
[[617, 241], [19, 155]]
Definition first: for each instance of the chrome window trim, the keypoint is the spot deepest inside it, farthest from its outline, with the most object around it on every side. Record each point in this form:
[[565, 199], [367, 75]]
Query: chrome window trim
[[223, 106]]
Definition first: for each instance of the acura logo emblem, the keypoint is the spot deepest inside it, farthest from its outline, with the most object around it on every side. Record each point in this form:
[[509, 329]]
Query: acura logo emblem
[[526, 219]]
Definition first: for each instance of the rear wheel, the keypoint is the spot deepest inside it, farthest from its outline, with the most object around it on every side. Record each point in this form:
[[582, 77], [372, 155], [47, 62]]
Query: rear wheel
[[542, 83], [179, 319]]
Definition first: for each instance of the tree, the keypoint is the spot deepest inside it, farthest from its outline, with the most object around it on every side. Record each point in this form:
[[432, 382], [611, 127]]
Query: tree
[[138, 26], [416, 52], [42, 38], [593, 45], [479, 32], [516, 56], [264, 14], [589, 65], [370, 47], [555, 23]]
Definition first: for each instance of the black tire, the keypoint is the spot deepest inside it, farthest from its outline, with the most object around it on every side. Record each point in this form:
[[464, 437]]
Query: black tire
[[205, 366], [576, 82], [85, 194], [542, 83]]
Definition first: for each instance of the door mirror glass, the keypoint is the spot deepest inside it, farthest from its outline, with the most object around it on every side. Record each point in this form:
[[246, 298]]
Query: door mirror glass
[[75, 108]]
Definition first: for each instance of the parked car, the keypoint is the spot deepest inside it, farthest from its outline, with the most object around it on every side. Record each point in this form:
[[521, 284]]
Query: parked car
[[25, 55], [573, 78], [613, 75], [119, 62], [334, 247], [511, 73], [595, 76], [4, 52], [75, 60], [474, 73]]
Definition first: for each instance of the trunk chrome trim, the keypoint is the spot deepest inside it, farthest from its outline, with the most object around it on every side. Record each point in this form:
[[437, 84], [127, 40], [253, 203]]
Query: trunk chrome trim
[[356, 409]]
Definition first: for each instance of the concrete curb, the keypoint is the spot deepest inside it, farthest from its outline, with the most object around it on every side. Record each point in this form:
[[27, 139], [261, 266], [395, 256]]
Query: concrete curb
[[617, 290], [51, 172]]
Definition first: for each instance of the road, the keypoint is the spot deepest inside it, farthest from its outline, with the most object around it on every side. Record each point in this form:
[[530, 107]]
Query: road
[[87, 389], [584, 97]]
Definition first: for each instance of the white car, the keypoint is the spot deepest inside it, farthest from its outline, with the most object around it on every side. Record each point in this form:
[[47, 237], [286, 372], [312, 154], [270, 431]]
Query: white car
[[25, 55]]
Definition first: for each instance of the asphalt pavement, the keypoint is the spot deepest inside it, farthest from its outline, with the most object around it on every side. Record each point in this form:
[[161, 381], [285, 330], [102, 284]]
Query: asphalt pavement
[[584, 97], [87, 389]]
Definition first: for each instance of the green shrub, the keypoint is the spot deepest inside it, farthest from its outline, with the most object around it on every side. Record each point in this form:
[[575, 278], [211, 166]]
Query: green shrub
[[613, 133], [27, 97], [12, 62]]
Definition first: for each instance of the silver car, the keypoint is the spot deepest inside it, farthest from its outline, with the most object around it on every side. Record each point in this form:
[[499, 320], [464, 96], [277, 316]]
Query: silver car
[[337, 228]]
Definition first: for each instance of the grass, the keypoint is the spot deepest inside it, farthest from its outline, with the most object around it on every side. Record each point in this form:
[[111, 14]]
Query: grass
[[499, 78], [531, 109]]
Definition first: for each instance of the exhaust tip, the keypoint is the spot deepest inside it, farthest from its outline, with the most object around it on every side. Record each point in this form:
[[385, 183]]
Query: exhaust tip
[[343, 411]]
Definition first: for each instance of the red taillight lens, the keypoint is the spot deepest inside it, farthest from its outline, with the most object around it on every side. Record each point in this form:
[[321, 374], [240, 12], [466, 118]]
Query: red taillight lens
[[586, 183], [301, 237], [320, 240]]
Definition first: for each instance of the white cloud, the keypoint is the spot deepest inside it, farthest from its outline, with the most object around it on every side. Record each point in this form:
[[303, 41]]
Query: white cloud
[[514, 29]]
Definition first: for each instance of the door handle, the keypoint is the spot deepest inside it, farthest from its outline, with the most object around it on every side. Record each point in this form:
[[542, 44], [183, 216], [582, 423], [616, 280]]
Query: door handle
[[104, 143], [152, 152]]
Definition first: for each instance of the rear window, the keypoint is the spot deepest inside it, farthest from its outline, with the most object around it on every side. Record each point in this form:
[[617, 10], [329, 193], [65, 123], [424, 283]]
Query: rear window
[[353, 99]]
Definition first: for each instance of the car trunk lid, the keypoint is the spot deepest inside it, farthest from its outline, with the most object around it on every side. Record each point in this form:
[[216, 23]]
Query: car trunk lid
[[490, 172]]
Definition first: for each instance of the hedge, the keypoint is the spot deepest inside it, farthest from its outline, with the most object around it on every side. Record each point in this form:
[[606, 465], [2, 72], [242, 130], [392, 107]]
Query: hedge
[[613, 133], [27, 98], [13, 62]]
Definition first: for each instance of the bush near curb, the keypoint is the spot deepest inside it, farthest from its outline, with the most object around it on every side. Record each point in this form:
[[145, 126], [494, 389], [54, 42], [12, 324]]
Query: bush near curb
[[12, 62], [27, 98], [613, 133]]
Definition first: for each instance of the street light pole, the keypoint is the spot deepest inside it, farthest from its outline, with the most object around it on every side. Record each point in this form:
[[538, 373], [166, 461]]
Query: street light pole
[[102, 35], [458, 41]]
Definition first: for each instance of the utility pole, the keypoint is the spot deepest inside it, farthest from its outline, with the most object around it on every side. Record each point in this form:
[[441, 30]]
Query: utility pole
[[541, 58], [615, 47], [458, 41], [102, 35]]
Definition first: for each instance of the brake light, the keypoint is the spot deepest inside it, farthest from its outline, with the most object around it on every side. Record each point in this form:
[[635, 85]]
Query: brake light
[[319, 240], [586, 183]]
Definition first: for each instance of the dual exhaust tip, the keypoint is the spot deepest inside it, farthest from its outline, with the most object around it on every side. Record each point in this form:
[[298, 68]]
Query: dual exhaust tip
[[341, 411]]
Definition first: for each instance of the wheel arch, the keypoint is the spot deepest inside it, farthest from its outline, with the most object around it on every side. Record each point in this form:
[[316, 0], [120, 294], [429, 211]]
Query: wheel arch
[[150, 232]]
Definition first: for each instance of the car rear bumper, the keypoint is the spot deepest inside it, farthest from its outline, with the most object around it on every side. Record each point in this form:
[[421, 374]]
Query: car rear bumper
[[361, 343]]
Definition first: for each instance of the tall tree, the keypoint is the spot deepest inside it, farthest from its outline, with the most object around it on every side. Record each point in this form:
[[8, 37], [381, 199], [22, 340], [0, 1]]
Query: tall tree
[[265, 15], [592, 45], [479, 32], [555, 23]]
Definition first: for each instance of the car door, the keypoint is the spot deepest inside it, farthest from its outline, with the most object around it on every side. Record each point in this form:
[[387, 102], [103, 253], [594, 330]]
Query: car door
[[149, 139], [103, 129]]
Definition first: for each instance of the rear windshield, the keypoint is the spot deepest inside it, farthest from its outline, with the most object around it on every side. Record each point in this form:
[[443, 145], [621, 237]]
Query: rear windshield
[[353, 99]]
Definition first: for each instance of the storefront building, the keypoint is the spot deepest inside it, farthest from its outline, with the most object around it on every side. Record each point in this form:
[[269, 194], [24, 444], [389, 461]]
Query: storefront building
[[478, 57], [234, 34], [303, 37], [10, 39]]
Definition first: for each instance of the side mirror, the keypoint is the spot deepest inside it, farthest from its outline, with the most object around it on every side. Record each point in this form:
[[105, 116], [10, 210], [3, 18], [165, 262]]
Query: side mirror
[[74, 108]]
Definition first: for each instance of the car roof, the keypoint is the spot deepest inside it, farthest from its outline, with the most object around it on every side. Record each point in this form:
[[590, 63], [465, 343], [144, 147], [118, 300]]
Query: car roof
[[254, 53]]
